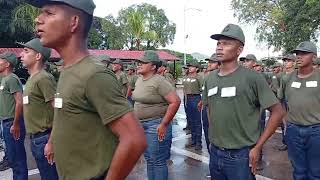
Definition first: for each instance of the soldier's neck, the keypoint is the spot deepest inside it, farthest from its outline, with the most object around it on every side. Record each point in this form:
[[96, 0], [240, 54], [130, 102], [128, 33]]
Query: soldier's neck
[[289, 70], [35, 69], [6, 72], [228, 68], [147, 75], [304, 72], [193, 74], [72, 51]]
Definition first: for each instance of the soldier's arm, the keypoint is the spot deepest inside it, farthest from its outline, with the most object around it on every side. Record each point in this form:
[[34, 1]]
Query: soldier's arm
[[104, 93], [267, 100], [132, 143], [15, 129], [129, 92]]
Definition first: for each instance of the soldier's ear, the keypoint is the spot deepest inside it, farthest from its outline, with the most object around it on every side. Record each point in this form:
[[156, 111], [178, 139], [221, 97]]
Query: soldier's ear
[[240, 50], [39, 56], [314, 57]]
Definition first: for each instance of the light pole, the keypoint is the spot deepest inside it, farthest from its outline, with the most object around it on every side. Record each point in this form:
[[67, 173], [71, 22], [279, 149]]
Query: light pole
[[185, 36]]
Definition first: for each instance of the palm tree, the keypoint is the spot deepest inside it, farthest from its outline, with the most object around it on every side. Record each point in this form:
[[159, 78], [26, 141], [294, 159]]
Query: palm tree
[[151, 37], [23, 18], [136, 23]]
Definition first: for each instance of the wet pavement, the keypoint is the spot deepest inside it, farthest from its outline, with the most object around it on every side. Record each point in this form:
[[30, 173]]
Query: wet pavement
[[188, 164]]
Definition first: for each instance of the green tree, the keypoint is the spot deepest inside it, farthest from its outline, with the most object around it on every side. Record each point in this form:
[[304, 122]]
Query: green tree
[[113, 33], [158, 22], [23, 18], [16, 21], [94, 39], [280, 23], [145, 25], [136, 23], [269, 61]]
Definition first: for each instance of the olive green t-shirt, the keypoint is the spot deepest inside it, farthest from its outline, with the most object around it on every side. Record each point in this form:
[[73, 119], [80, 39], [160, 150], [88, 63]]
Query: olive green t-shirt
[[149, 97], [170, 78], [234, 103], [275, 82], [302, 96], [37, 96], [9, 85], [122, 78], [88, 98], [132, 81], [192, 85]]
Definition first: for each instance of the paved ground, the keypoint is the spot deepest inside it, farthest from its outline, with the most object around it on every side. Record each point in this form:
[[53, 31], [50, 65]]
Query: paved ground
[[190, 165]]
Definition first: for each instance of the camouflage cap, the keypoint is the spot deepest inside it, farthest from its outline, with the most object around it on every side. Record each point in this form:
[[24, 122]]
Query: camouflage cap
[[10, 57], [150, 56], [289, 57], [276, 65], [117, 61], [251, 57], [306, 46], [59, 63], [36, 45], [232, 31], [130, 67], [213, 57], [194, 64], [164, 63], [258, 63], [242, 58], [104, 57], [86, 6]]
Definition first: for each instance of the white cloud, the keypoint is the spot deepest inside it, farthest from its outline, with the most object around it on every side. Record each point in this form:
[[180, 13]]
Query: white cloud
[[214, 15]]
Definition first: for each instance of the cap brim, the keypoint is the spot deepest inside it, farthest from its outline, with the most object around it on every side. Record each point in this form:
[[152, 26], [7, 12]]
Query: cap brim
[[37, 3], [216, 36], [286, 59], [143, 60], [26, 45], [219, 36], [213, 60], [301, 50]]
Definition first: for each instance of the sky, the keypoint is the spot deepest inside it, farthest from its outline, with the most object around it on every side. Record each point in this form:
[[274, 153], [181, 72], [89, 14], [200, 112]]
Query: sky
[[202, 19]]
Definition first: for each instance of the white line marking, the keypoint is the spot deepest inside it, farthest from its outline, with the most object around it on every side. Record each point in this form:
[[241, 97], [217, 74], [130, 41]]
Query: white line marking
[[279, 131], [178, 138], [259, 177], [190, 154], [33, 172]]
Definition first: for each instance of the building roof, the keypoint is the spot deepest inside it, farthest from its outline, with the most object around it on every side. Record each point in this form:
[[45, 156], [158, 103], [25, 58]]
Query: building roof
[[121, 54]]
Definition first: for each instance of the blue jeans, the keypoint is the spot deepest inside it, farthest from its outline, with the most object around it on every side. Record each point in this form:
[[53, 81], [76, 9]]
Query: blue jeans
[[186, 110], [227, 164], [131, 101], [195, 118], [47, 171], [205, 124], [304, 150], [157, 153], [283, 135], [15, 150]]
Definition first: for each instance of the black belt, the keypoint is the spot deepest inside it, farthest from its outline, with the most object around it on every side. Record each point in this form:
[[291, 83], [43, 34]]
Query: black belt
[[102, 177], [40, 134], [193, 95], [7, 120], [226, 149]]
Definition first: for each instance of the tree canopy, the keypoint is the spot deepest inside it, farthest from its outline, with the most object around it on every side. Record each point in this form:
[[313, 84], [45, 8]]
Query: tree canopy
[[137, 27], [282, 24]]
